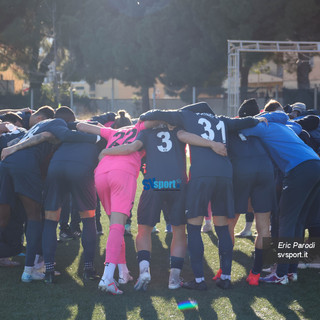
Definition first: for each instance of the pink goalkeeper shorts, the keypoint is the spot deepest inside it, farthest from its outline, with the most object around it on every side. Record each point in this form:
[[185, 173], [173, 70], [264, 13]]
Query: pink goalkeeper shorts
[[116, 190]]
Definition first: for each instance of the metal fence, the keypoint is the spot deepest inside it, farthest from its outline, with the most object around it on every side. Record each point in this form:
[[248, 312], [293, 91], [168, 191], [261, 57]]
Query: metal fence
[[216, 97], [218, 102]]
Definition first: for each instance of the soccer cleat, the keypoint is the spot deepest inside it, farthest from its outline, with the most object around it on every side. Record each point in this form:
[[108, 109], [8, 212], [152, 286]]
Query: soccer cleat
[[223, 284], [175, 282], [111, 287], [76, 234], [34, 275], [193, 285], [155, 230], [125, 278], [207, 228], [270, 269], [218, 275], [90, 274], [293, 277], [65, 235], [253, 279], [305, 265], [312, 263], [273, 278], [7, 262], [39, 266], [143, 281], [244, 233], [99, 228], [49, 277], [127, 230], [168, 228]]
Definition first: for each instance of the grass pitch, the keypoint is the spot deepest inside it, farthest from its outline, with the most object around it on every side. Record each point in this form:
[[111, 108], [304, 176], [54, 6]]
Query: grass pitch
[[71, 299]]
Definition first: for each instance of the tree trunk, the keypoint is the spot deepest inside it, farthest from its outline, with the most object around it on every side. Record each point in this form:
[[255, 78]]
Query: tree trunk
[[303, 71], [145, 99], [38, 73]]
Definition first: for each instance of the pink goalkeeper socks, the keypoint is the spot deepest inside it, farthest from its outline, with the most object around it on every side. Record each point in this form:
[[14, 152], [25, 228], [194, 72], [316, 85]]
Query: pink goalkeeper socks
[[115, 243]]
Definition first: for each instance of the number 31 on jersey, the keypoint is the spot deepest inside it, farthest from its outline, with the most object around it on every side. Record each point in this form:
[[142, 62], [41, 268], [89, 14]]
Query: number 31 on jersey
[[209, 132]]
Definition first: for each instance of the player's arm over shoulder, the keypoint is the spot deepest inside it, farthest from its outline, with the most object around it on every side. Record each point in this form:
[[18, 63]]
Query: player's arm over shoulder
[[122, 149], [193, 139], [89, 128], [34, 140]]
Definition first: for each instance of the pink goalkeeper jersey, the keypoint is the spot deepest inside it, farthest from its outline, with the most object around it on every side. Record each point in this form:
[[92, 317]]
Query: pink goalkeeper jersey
[[129, 163]]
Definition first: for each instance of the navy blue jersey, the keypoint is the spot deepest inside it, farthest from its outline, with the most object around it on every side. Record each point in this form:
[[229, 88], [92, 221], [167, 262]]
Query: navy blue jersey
[[6, 137], [80, 152], [33, 157], [204, 162], [25, 118], [104, 118], [247, 154], [100, 145], [165, 154]]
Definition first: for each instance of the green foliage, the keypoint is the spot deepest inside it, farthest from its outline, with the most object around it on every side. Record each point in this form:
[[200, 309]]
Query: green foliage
[[181, 42]]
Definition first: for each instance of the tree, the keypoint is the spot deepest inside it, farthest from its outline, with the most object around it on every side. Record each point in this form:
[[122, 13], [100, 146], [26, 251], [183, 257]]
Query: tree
[[195, 39], [115, 39], [301, 23], [24, 38]]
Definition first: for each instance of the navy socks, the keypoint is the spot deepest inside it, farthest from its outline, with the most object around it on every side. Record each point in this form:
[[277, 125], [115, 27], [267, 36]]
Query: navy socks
[[258, 261], [176, 262], [33, 236], [88, 239], [49, 242], [225, 249], [143, 255], [196, 249]]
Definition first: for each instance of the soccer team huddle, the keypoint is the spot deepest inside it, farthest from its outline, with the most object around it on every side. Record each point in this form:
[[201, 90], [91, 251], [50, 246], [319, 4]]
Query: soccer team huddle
[[262, 162]]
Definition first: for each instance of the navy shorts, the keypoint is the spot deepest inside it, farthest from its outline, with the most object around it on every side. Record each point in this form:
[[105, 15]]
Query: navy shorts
[[218, 190], [259, 187], [26, 183], [152, 202], [65, 177]]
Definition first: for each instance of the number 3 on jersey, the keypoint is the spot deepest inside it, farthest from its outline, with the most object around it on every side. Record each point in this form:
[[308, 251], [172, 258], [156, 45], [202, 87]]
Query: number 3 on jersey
[[165, 140], [209, 132]]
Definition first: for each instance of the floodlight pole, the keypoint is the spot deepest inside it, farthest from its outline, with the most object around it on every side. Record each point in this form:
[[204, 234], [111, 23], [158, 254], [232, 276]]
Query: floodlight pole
[[194, 97], [31, 98], [112, 94], [55, 82]]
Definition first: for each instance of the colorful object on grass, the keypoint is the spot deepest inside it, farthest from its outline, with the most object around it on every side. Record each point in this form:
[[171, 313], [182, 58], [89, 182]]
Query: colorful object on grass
[[188, 305]]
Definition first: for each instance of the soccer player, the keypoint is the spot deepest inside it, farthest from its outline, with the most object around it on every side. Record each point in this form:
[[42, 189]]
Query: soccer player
[[13, 118], [116, 183], [301, 183], [11, 230], [253, 179], [211, 180], [70, 171], [21, 174], [164, 186]]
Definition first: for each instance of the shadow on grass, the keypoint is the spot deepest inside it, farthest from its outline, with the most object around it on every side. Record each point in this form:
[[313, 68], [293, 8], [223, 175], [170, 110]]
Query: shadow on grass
[[70, 299]]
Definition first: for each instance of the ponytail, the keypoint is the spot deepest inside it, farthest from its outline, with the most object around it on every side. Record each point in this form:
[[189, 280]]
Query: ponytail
[[122, 119]]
